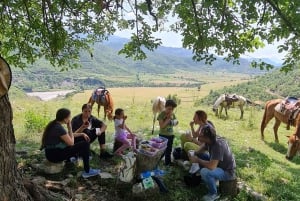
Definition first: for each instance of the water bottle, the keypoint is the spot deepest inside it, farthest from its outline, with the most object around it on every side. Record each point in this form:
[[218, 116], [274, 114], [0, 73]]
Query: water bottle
[[146, 174]]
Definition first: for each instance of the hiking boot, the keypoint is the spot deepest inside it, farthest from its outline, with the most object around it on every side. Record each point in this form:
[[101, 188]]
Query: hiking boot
[[91, 173], [210, 197], [105, 155]]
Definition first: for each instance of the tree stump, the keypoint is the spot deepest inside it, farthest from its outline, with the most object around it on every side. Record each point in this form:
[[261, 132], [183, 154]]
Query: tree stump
[[228, 187]]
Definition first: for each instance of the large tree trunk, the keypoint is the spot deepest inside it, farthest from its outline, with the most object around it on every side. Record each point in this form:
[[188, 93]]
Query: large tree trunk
[[11, 184]]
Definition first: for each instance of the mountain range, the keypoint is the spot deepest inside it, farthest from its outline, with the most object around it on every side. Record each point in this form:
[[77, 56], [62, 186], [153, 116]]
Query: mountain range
[[107, 65]]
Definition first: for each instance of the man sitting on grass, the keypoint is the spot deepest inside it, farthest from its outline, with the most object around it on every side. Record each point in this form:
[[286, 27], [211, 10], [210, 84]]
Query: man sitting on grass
[[93, 127], [221, 165]]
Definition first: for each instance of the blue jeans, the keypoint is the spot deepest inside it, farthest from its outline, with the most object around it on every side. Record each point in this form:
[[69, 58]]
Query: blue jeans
[[210, 176]]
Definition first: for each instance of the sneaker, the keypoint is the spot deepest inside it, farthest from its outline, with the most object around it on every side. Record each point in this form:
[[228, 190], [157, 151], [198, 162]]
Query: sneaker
[[194, 168], [210, 197], [91, 173], [74, 160], [105, 155]]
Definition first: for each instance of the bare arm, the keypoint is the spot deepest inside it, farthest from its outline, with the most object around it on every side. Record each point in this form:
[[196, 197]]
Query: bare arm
[[212, 164], [69, 137], [164, 122]]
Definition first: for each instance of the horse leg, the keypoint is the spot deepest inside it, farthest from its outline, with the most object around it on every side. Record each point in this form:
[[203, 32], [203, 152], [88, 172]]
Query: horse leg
[[242, 112], [220, 113], [268, 115], [104, 109], [275, 128], [153, 123]]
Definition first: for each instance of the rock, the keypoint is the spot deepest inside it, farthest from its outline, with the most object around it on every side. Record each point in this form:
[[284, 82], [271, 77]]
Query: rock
[[52, 168], [106, 175]]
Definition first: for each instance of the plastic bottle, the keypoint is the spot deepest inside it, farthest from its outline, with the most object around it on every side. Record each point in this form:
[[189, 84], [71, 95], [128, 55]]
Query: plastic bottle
[[146, 174]]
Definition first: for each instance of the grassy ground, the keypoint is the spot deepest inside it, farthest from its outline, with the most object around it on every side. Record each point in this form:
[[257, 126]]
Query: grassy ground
[[261, 165]]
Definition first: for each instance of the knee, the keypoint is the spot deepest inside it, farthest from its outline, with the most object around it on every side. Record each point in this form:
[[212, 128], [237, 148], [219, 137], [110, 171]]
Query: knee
[[183, 137], [204, 172]]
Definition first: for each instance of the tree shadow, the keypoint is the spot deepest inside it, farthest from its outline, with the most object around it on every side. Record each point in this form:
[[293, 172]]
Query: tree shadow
[[277, 147]]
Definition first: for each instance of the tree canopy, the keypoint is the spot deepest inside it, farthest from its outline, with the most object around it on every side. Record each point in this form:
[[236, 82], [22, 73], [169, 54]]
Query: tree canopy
[[59, 29]]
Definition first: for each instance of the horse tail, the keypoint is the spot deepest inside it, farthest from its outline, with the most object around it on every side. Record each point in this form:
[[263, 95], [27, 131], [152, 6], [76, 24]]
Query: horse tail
[[249, 101], [110, 106], [263, 121]]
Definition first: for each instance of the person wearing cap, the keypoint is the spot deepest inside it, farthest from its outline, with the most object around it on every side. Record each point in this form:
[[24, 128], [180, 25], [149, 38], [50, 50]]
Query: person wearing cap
[[93, 127], [167, 120], [221, 164]]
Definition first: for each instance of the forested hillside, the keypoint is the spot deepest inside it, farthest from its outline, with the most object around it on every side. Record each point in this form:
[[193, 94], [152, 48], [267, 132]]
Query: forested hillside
[[272, 85]]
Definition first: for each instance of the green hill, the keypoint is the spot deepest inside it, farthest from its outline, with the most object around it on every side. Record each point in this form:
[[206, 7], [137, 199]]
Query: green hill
[[272, 85], [107, 67]]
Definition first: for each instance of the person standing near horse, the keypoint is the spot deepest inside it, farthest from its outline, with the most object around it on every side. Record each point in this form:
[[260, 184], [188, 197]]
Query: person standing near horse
[[92, 127], [167, 120], [221, 164], [123, 133], [60, 145]]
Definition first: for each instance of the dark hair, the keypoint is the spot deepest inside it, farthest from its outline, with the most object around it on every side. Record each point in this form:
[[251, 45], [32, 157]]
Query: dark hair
[[86, 106], [209, 132], [61, 114], [201, 115], [171, 103], [118, 111]]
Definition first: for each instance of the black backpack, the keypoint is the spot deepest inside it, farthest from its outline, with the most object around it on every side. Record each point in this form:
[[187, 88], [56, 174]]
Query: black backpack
[[192, 180]]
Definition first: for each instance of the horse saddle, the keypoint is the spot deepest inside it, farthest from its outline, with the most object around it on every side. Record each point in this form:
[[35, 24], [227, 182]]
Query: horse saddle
[[289, 106], [100, 94], [290, 103], [230, 98]]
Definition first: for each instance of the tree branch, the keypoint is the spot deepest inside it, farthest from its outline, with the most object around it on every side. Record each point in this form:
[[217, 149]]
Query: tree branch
[[149, 3], [283, 17], [197, 23]]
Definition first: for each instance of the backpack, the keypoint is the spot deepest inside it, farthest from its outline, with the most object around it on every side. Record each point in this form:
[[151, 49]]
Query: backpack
[[127, 170], [192, 180]]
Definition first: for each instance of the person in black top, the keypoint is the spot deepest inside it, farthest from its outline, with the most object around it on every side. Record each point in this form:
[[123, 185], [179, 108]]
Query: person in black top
[[91, 126], [59, 144]]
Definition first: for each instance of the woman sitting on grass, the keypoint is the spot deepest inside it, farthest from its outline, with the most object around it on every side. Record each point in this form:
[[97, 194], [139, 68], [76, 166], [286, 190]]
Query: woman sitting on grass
[[59, 143], [123, 133], [190, 141]]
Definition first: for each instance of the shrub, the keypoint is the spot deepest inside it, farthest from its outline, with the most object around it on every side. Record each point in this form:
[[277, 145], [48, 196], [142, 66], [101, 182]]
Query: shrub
[[35, 122]]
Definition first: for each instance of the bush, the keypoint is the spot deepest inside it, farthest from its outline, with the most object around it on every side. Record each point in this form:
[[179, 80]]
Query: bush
[[35, 122]]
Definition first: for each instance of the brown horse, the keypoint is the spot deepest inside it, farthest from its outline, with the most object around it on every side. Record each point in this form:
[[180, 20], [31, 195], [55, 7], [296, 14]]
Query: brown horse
[[270, 112], [103, 98], [293, 147]]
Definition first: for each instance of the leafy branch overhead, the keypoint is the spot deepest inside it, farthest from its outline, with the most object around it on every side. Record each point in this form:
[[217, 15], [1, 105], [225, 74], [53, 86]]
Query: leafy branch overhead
[[59, 30]]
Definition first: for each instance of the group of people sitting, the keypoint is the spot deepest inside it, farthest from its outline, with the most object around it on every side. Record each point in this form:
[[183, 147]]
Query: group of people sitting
[[211, 152], [203, 146]]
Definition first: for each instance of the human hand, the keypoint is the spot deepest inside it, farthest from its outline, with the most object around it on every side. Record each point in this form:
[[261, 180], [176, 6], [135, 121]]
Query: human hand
[[192, 123], [85, 124], [86, 137], [189, 137], [125, 117], [193, 159]]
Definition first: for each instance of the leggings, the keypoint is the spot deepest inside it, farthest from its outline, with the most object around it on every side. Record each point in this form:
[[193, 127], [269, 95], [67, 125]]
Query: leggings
[[58, 155]]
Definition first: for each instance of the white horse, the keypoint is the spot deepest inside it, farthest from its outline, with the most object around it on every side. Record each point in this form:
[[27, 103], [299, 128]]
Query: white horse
[[157, 106], [230, 100]]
